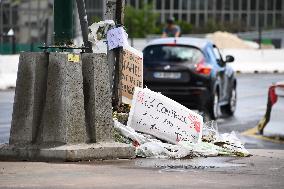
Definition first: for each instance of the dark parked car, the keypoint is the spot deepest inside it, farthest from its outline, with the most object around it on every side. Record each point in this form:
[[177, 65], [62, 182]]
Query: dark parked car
[[192, 72]]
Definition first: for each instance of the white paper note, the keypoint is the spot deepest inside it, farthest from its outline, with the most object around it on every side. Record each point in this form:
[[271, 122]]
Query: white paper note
[[117, 37]]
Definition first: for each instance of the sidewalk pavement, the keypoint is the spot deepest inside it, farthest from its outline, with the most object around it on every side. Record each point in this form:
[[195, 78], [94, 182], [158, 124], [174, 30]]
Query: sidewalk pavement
[[265, 169]]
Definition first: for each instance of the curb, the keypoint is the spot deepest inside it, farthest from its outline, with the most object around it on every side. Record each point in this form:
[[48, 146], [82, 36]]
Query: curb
[[253, 132], [260, 72]]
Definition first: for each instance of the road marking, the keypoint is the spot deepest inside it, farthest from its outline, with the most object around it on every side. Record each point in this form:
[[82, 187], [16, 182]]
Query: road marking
[[253, 132]]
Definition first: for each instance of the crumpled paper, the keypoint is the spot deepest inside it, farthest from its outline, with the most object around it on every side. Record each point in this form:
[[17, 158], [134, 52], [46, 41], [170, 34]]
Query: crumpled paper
[[148, 146], [98, 31]]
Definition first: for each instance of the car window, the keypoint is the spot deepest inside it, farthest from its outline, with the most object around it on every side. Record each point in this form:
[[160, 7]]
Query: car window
[[172, 53], [211, 53], [217, 54]]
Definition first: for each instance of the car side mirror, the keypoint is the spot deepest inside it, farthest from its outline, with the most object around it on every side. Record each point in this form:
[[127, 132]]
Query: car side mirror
[[229, 58]]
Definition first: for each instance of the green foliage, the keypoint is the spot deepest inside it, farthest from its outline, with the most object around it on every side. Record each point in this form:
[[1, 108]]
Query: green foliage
[[140, 22], [95, 19], [158, 29], [185, 27], [212, 26]]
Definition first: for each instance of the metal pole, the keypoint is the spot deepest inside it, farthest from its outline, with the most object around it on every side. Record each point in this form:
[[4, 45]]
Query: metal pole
[[10, 16], [131, 34], [84, 24], [39, 37], [1, 25], [119, 20], [29, 22], [119, 12], [46, 31], [13, 44], [110, 15], [63, 22], [259, 32]]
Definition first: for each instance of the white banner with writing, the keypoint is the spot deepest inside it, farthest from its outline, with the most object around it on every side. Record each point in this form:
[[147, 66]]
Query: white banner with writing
[[164, 118]]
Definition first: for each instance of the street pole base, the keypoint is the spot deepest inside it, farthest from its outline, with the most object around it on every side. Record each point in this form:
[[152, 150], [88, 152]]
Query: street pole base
[[73, 153]]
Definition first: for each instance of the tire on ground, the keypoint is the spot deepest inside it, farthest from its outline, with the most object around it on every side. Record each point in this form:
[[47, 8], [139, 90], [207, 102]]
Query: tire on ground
[[229, 109]]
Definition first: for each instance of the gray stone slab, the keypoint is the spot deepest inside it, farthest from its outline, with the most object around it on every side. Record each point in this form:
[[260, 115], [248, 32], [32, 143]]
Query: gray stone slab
[[64, 116], [29, 97], [76, 152], [59, 132], [97, 97]]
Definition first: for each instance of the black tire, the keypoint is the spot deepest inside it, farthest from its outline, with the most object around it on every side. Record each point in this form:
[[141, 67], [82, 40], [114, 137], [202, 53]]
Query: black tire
[[213, 107], [230, 108]]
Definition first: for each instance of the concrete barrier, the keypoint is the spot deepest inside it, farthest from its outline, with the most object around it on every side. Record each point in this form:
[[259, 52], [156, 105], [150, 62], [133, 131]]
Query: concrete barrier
[[97, 92], [64, 107], [51, 102], [29, 98], [275, 126], [256, 61]]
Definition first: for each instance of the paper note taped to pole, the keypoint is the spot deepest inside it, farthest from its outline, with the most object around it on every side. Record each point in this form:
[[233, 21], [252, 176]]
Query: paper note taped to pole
[[117, 37], [132, 73], [164, 118]]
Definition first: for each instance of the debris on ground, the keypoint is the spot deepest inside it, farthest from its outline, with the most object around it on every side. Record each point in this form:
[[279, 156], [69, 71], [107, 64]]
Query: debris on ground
[[152, 143], [148, 146]]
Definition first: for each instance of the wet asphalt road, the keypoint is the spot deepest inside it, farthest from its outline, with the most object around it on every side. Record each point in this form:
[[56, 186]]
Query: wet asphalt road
[[252, 92], [6, 108], [252, 99]]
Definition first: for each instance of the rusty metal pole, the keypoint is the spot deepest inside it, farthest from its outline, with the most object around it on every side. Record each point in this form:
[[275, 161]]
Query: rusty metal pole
[[110, 15], [119, 12], [115, 11], [119, 20], [84, 24]]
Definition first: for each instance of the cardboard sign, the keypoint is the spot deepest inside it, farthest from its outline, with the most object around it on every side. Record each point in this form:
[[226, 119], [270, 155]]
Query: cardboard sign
[[132, 73], [117, 37], [162, 117]]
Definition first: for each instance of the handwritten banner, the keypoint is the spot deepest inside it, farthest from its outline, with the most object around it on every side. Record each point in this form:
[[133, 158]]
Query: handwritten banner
[[132, 73], [162, 117]]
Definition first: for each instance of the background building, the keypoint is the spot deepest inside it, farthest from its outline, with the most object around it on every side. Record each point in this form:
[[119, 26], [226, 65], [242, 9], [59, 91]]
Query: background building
[[31, 21], [249, 13]]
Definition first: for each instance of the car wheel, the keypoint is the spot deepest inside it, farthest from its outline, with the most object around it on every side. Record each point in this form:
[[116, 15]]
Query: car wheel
[[214, 109], [230, 108]]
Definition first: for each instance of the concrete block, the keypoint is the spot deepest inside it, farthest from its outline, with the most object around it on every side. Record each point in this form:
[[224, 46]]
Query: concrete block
[[81, 152], [29, 97], [59, 132], [64, 116], [97, 92], [76, 152]]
